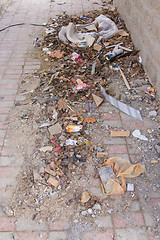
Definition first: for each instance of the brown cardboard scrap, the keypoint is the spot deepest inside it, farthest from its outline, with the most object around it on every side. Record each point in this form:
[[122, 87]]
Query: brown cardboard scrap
[[52, 181], [120, 133], [97, 99], [55, 129]]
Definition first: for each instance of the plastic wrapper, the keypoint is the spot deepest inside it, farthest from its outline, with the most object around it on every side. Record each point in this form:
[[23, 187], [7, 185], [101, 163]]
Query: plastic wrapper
[[71, 142], [122, 168], [108, 27], [74, 128]]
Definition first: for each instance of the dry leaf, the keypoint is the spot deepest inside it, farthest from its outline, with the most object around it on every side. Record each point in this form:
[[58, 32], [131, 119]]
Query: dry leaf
[[57, 54], [123, 33], [64, 79], [149, 131], [90, 120], [97, 47], [62, 105]]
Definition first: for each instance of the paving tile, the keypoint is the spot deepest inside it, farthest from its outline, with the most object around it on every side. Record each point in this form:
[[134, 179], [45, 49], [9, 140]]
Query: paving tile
[[117, 149], [131, 233], [7, 161], [9, 172], [26, 224], [59, 225], [110, 116], [30, 236], [6, 104], [7, 224], [149, 219], [119, 222], [104, 222], [57, 236], [6, 235], [99, 235]]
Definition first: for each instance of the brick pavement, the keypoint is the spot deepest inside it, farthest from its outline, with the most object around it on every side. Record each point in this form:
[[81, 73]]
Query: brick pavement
[[15, 45]]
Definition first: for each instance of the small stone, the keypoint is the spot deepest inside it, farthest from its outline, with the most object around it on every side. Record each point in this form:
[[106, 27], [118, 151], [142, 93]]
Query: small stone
[[90, 211], [71, 154], [85, 197], [97, 206], [36, 176], [109, 211], [157, 148], [99, 149], [75, 221], [130, 187], [84, 213], [152, 113], [107, 127], [62, 137], [41, 170], [54, 195]]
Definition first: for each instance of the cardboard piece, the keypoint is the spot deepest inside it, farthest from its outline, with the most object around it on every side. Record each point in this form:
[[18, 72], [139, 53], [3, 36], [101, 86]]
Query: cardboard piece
[[55, 129], [97, 99], [52, 181], [49, 171], [120, 133], [46, 148]]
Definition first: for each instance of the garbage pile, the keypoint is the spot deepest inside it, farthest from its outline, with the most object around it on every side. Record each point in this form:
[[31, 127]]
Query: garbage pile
[[81, 61], [85, 61]]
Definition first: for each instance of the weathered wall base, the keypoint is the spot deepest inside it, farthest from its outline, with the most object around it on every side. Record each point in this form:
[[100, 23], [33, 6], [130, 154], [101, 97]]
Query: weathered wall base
[[142, 18]]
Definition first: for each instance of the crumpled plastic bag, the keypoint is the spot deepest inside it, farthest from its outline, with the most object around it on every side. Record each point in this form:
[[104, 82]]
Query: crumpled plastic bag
[[124, 169], [113, 187], [107, 26]]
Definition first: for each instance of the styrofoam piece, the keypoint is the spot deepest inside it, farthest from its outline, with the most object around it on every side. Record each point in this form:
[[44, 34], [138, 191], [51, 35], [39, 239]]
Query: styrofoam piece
[[136, 133], [79, 40]]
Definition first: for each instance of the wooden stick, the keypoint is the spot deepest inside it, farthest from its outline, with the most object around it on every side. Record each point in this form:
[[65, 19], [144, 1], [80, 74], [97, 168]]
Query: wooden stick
[[124, 79]]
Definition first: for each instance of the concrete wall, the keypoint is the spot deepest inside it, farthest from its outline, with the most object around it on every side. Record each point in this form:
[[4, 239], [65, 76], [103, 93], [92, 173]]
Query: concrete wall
[[142, 18]]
